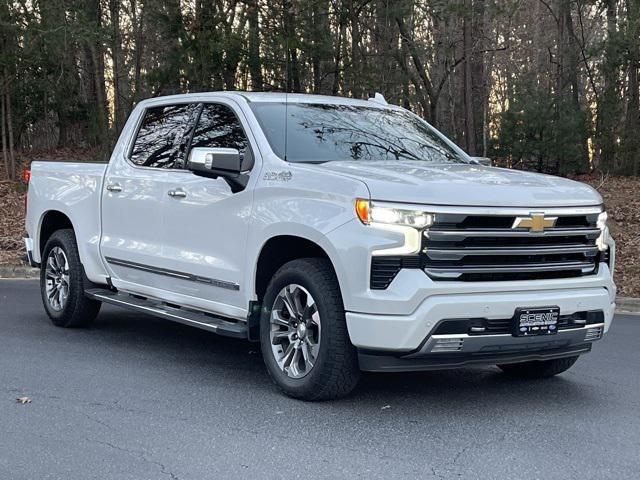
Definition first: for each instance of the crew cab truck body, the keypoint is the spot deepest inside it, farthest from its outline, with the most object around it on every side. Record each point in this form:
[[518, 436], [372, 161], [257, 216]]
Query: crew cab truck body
[[344, 235]]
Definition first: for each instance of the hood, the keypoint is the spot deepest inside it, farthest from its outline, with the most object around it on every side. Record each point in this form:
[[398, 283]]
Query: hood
[[464, 184]]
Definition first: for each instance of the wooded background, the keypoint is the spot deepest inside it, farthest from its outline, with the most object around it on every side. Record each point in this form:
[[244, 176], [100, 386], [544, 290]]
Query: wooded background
[[547, 85]]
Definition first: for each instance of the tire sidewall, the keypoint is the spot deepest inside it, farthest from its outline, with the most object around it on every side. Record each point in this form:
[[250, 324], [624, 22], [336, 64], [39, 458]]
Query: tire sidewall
[[307, 384], [60, 240]]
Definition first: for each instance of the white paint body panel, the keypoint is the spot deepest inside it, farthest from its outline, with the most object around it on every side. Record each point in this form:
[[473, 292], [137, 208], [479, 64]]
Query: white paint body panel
[[133, 221], [215, 234], [73, 189]]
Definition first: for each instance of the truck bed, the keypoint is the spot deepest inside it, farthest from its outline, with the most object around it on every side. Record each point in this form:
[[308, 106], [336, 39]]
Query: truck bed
[[73, 188]]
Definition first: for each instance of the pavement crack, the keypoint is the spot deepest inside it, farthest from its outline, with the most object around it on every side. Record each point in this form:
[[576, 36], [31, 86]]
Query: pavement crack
[[460, 453], [138, 454]]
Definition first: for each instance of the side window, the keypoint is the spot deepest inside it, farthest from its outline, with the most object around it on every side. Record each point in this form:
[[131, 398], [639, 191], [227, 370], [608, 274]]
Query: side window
[[219, 127], [162, 136]]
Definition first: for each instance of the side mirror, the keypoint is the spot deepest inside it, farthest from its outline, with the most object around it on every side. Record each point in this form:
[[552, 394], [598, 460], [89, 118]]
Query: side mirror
[[483, 161], [215, 162]]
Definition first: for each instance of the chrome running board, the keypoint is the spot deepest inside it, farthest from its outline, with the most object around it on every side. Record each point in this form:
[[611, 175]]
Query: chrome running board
[[202, 320]]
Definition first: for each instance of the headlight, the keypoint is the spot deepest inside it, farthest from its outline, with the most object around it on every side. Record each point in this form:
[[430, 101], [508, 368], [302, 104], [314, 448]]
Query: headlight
[[388, 214], [604, 231]]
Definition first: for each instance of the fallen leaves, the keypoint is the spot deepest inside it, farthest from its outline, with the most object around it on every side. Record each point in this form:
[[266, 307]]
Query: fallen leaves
[[23, 400], [622, 199], [11, 222]]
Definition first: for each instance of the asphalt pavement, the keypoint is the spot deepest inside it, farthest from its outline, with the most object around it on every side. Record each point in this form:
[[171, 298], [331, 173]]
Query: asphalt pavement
[[136, 397]]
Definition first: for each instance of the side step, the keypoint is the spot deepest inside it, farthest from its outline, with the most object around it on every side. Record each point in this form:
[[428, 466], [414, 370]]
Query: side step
[[204, 321]]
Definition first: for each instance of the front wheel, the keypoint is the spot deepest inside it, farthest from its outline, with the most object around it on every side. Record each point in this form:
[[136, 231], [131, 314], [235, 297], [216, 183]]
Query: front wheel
[[62, 283], [539, 369], [303, 332]]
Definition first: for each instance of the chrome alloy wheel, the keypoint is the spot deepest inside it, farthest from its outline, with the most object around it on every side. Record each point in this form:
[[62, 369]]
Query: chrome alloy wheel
[[57, 279], [295, 331]]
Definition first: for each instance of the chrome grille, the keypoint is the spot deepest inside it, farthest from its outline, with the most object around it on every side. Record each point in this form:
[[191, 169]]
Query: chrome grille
[[472, 247]]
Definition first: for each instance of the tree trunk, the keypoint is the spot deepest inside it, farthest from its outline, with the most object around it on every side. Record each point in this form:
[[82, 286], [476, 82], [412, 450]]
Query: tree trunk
[[3, 132], [165, 29], [630, 148], [10, 140], [571, 150], [137, 23], [62, 74], [425, 81], [233, 52], [255, 64], [479, 77], [97, 98], [292, 67], [469, 125], [120, 78], [355, 75], [608, 106], [337, 65]]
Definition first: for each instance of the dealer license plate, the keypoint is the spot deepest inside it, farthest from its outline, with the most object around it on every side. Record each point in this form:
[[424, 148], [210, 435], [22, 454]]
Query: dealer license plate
[[536, 321]]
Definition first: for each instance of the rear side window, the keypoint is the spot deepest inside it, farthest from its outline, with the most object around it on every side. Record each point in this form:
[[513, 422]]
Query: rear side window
[[219, 127], [163, 135]]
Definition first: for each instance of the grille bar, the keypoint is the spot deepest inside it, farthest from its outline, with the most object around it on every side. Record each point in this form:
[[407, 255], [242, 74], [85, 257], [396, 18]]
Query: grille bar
[[449, 273], [452, 235], [472, 247], [456, 254]]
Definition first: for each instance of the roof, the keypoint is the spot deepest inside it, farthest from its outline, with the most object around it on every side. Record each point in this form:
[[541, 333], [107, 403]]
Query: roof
[[277, 97], [301, 98]]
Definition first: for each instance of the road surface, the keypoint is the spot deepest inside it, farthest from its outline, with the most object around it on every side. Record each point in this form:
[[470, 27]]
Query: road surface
[[136, 397]]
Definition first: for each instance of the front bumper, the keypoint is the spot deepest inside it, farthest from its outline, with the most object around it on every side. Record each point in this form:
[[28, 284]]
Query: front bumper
[[388, 363], [404, 334]]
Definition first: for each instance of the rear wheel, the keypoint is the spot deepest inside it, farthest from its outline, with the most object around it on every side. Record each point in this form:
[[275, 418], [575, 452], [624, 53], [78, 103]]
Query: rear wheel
[[539, 369], [303, 332], [62, 283]]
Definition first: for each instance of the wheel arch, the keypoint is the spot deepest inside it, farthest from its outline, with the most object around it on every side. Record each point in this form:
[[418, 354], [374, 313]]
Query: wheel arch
[[280, 249], [274, 252], [50, 222]]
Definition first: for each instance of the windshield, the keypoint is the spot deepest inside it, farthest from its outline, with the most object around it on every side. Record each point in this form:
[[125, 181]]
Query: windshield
[[326, 132]]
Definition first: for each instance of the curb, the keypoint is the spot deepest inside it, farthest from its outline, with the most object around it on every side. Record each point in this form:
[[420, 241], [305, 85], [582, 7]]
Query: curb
[[627, 305], [623, 304], [18, 271]]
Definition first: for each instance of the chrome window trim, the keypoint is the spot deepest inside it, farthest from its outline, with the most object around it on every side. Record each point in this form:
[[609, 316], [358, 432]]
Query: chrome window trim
[[128, 150], [174, 273], [132, 139]]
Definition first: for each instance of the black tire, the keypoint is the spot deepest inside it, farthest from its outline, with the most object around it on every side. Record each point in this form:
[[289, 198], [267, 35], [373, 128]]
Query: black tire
[[77, 310], [539, 369], [335, 372]]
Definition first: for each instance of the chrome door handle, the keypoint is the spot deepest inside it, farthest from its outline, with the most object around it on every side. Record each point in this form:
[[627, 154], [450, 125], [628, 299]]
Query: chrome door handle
[[177, 193], [114, 187]]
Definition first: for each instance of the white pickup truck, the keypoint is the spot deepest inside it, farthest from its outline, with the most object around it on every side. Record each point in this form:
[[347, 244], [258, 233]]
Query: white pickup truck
[[343, 235]]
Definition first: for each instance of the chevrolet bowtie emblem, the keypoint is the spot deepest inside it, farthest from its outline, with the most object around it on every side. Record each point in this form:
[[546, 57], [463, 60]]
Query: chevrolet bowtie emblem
[[537, 222]]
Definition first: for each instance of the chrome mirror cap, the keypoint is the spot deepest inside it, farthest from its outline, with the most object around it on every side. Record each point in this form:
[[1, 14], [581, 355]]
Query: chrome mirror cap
[[220, 160]]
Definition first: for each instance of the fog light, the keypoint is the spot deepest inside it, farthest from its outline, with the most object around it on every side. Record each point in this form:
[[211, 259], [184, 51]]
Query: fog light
[[593, 333], [447, 345]]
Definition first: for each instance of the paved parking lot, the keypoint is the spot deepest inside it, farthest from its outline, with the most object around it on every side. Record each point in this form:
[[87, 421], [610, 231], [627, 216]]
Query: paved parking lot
[[141, 398]]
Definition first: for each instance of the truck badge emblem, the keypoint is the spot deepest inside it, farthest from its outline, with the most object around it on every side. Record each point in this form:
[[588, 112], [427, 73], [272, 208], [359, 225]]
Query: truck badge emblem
[[278, 176], [537, 222]]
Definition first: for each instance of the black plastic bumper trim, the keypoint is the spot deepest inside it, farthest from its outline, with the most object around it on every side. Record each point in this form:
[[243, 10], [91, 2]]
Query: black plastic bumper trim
[[389, 363]]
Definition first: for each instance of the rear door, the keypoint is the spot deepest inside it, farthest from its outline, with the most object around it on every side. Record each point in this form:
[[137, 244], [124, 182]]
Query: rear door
[[206, 225], [133, 196]]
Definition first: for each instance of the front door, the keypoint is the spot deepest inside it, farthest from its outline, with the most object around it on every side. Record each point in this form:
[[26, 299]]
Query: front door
[[206, 224], [132, 202]]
